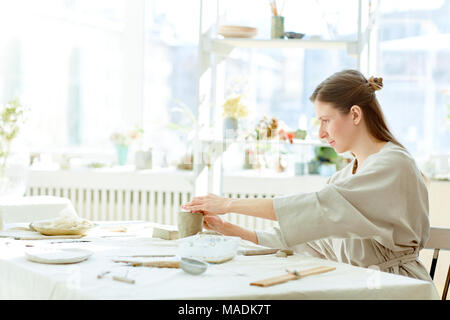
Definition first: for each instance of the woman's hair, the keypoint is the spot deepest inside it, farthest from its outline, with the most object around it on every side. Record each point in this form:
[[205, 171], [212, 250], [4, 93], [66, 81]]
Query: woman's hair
[[347, 88]]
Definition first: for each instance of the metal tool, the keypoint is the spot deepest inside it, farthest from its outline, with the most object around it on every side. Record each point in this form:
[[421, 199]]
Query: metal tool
[[102, 274], [193, 266]]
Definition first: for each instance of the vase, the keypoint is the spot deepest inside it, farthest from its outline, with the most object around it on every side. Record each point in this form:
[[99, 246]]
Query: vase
[[14, 174], [122, 154], [143, 159], [230, 127], [277, 30]]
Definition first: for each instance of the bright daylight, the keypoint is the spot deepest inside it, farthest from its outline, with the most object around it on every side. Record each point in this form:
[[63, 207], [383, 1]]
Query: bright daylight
[[224, 150]]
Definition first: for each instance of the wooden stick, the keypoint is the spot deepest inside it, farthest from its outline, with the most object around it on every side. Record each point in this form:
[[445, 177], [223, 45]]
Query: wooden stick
[[257, 252], [162, 264], [291, 276], [123, 279]]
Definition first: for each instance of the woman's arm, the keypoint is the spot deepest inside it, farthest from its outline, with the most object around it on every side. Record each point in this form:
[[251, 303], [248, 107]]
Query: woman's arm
[[213, 205], [261, 208]]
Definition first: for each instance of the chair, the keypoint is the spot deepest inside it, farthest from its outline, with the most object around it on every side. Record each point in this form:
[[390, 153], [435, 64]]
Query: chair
[[439, 239]]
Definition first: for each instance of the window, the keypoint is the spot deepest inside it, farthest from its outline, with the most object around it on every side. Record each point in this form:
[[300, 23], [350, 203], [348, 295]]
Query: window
[[87, 68], [414, 61]]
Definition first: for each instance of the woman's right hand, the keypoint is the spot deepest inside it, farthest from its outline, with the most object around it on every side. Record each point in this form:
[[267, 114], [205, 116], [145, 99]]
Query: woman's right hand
[[210, 204], [214, 223]]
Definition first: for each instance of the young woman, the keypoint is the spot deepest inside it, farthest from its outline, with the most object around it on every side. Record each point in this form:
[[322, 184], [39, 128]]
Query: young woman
[[372, 213]]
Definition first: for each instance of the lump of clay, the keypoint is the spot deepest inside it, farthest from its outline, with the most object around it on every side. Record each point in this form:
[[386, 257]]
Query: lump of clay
[[288, 252], [281, 254], [165, 233]]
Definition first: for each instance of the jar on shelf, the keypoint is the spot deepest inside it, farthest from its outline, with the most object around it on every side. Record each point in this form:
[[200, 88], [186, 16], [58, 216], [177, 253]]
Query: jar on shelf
[[14, 174]]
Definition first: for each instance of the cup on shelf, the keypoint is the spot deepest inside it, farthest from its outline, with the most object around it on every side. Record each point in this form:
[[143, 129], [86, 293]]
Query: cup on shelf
[[277, 30]]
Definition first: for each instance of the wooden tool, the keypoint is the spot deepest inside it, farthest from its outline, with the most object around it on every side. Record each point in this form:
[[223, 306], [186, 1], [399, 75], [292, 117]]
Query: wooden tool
[[155, 264], [123, 279], [291, 275], [257, 252]]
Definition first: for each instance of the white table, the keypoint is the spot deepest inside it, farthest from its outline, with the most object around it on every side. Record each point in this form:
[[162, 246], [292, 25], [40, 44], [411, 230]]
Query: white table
[[23, 279]]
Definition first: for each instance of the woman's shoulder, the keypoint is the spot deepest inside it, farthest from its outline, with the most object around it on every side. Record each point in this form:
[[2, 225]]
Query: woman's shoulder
[[394, 157]]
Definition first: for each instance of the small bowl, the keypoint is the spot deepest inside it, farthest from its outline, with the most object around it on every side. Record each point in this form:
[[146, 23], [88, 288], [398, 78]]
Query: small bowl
[[209, 248], [294, 35]]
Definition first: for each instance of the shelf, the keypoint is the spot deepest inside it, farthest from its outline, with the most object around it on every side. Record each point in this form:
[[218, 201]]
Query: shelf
[[317, 143], [222, 44]]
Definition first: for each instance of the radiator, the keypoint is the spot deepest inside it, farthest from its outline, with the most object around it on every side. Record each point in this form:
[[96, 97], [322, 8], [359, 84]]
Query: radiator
[[117, 204], [154, 196]]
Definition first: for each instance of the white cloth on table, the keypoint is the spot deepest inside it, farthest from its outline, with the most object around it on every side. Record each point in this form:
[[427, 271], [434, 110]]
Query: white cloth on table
[[23, 279]]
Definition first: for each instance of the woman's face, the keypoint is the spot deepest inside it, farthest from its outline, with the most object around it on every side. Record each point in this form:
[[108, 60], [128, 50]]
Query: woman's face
[[336, 128]]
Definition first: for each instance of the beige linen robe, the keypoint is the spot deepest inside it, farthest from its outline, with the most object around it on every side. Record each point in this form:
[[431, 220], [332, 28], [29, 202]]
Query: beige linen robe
[[370, 218]]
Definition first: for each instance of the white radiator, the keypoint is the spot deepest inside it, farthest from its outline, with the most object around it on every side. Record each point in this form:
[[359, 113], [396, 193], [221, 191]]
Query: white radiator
[[154, 196]]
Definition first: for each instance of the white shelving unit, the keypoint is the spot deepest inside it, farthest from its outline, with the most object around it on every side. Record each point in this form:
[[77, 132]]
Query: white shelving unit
[[219, 44], [213, 51]]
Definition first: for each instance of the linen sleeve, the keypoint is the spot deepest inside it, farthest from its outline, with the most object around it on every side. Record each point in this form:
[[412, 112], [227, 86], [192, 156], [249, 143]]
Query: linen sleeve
[[381, 202], [272, 238]]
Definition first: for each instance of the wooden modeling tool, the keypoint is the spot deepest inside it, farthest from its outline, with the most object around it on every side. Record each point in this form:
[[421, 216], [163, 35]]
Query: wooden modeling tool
[[291, 275]]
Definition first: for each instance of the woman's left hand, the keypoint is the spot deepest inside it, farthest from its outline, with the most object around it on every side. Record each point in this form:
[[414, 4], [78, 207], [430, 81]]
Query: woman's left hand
[[210, 204]]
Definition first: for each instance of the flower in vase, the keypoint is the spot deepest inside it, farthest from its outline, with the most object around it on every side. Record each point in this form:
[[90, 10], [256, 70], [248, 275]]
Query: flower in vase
[[235, 108], [126, 138]]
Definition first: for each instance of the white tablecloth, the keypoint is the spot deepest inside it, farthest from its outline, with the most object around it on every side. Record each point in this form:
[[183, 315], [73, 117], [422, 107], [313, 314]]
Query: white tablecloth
[[23, 279]]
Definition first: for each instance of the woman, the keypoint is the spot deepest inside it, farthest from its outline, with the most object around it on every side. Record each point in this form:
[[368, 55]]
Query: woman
[[372, 213]]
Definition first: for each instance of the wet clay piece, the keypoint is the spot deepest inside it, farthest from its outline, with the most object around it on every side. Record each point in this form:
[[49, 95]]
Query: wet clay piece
[[165, 233], [288, 252], [189, 223]]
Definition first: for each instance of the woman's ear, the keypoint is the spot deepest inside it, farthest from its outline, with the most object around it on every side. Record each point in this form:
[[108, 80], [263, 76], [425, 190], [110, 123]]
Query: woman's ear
[[356, 114]]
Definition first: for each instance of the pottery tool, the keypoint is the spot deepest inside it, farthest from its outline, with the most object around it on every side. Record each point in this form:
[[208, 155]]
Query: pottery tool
[[102, 274], [193, 266], [124, 279], [149, 256], [155, 264], [291, 275], [257, 252]]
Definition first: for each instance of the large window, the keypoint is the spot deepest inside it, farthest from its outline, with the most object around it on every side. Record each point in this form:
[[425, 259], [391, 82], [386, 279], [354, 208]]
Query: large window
[[88, 68], [414, 60], [64, 59]]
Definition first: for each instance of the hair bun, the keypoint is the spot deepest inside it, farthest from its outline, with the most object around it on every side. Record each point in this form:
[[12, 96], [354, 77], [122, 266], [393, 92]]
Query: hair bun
[[375, 83]]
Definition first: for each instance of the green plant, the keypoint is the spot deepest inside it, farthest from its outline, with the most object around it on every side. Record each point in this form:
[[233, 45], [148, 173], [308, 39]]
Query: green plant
[[186, 126], [326, 154], [12, 117]]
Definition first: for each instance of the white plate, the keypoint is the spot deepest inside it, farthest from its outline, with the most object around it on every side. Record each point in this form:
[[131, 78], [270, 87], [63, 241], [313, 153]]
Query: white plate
[[57, 256], [237, 31]]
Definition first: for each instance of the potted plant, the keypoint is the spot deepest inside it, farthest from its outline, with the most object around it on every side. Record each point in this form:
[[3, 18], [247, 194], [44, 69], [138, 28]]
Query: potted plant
[[185, 127], [122, 141], [12, 117], [233, 109]]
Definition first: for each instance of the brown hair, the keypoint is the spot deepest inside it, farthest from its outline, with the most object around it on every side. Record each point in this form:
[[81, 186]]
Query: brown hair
[[347, 88]]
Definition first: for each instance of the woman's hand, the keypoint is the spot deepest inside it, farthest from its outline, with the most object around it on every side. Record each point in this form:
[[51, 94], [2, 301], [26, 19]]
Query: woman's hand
[[213, 223], [208, 205]]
